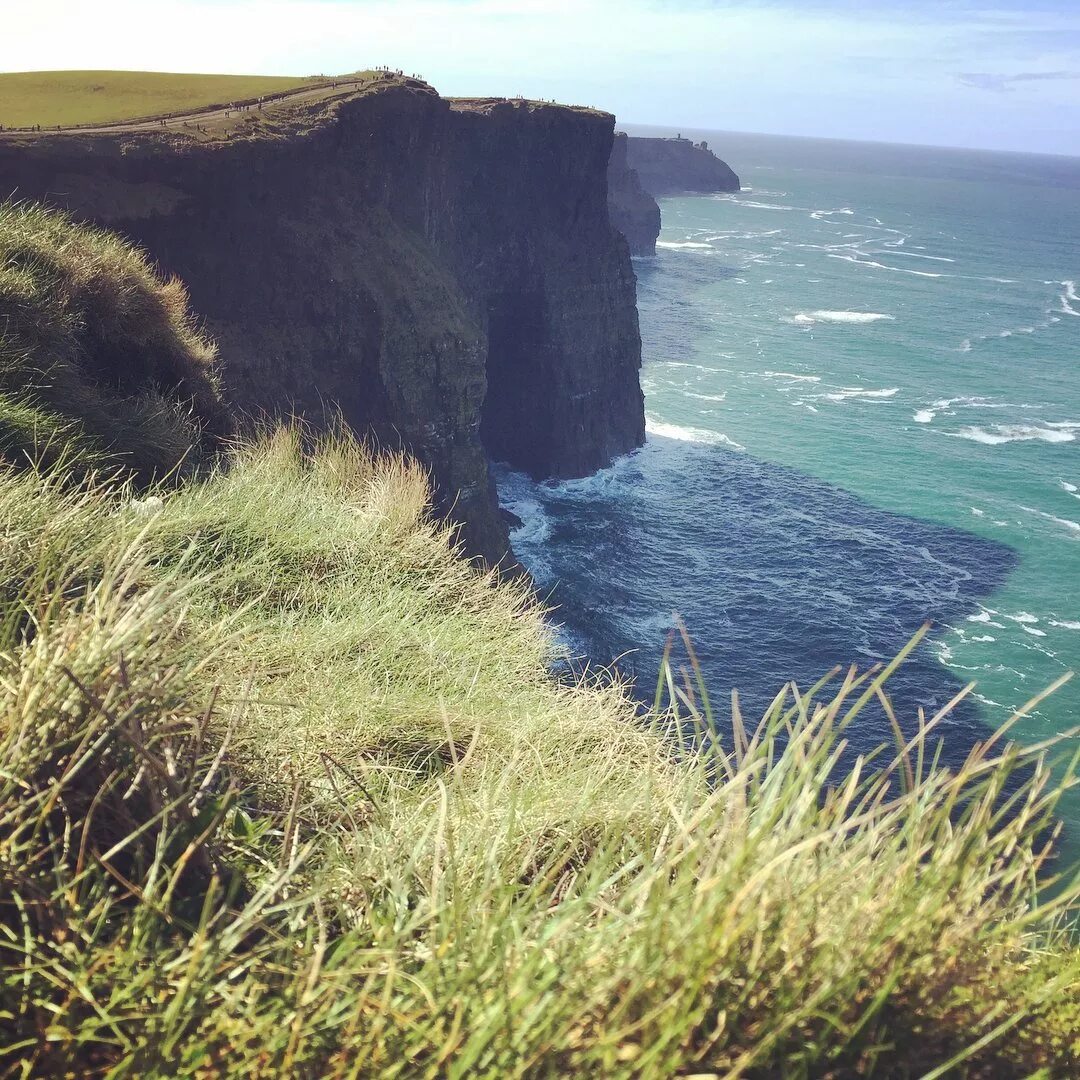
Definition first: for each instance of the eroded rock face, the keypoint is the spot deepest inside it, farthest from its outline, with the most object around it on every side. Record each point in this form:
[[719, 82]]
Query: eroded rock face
[[444, 273], [634, 212], [671, 166]]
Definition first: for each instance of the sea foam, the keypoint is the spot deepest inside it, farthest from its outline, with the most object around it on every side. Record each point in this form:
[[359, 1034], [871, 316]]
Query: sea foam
[[689, 434], [808, 318], [931, 258], [1072, 526], [1069, 295], [999, 434], [672, 245], [855, 392], [881, 266]]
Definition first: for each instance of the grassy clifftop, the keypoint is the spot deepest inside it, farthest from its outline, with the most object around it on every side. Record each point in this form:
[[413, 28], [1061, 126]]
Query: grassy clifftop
[[49, 98], [286, 790]]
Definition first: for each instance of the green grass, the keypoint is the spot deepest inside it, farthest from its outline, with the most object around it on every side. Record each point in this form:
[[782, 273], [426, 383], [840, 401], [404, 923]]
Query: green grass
[[101, 362], [287, 789], [96, 97]]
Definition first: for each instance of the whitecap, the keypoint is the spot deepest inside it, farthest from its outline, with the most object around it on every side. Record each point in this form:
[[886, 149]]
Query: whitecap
[[808, 318], [965, 345], [1034, 633], [1065, 624], [999, 434], [763, 206], [785, 375], [1070, 488], [984, 637], [882, 266], [689, 434], [1072, 526], [931, 258], [707, 397], [1069, 295], [977, 512], [685, 244], [1023, 617], [923, 416], [984, 617], [855, 392]]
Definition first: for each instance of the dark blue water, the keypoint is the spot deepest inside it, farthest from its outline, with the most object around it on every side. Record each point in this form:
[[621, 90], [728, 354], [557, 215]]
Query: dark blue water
[[777, 576]]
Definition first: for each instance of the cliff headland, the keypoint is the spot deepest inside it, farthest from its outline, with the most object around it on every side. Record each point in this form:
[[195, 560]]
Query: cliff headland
[[644, 169], [679, 166], [443, 272]]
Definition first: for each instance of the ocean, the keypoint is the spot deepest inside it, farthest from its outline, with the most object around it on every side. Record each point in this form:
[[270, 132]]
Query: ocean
[[862, 388]]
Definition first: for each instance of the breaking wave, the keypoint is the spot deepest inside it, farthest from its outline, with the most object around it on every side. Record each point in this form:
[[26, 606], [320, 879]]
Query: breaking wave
[[855, 392], [689, 434], [999, 434], [808, 318]]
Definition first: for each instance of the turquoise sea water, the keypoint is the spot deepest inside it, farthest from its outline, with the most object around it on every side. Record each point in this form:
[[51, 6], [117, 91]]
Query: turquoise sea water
[[862, 380]]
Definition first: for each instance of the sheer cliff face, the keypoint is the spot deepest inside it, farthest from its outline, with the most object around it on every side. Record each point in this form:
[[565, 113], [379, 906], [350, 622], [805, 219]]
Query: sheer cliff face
[[670, 166], [633, 210], [443, 272]]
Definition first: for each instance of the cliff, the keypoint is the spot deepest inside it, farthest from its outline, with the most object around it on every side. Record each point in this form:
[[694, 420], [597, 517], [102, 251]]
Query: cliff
[[671, 166], [633, 210], [443, 272]]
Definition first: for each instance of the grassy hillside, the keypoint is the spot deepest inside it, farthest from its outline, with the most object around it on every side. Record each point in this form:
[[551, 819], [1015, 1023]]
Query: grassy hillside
[[286, 790], [101, 362], [93, 97]]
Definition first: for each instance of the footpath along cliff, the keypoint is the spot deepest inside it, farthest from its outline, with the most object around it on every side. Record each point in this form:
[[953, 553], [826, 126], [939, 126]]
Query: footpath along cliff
[[443, 272]]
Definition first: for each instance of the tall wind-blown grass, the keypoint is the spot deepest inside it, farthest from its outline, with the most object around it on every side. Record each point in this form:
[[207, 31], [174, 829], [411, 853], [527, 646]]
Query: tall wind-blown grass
[[101, 362], [286, 790]]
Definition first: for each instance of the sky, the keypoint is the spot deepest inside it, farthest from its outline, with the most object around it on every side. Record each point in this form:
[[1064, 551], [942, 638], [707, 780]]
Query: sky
[[999, 74]]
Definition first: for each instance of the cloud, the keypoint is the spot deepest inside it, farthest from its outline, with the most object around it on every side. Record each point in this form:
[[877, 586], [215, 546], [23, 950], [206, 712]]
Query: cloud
[[1003, 84]]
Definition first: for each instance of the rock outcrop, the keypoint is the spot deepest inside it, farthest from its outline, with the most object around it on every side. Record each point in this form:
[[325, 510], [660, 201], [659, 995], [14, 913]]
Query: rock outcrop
[[672, 166], [634, 212], [443, 272]]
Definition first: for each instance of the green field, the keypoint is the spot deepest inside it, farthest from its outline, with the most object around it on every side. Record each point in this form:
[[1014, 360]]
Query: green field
[[97, 97]]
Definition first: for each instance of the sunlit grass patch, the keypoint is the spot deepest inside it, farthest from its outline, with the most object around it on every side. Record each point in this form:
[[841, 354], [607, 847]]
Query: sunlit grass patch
[[287, 790], [101, 361], [49, 98]]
